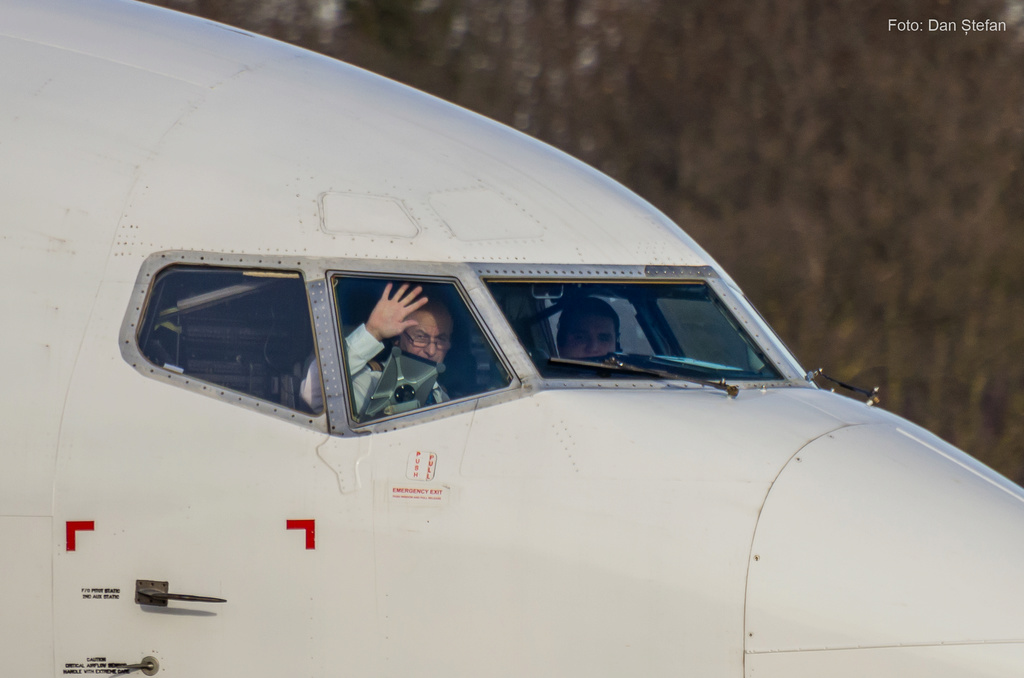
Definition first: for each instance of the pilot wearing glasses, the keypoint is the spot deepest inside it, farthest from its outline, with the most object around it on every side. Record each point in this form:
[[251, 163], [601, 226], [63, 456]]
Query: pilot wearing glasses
[[419, 326]]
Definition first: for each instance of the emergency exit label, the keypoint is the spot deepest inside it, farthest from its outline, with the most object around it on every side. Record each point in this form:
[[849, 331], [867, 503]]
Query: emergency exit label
[[423, 496]]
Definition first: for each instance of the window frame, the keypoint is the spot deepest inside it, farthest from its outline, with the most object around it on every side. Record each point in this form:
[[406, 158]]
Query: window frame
[[792, 375], [338, 405], [317, 273], [470, 280], [131, 352]]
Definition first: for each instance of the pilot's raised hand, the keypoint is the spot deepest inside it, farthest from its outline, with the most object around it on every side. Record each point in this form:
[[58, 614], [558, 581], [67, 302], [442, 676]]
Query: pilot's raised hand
[[390, 317]]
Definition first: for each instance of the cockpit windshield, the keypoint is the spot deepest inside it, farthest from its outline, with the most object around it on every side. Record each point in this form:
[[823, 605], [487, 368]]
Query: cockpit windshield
[[583, 330]]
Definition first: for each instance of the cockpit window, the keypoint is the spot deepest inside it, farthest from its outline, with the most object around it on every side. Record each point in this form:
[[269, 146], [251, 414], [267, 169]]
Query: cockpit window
[[244, 330], [682, 329], [411, 344]]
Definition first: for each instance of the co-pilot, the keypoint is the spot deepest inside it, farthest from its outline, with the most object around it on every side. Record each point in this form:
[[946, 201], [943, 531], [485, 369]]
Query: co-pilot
[[588, 328]]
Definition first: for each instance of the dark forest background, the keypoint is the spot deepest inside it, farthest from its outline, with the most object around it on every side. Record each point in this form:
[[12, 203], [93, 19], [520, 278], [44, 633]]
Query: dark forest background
[[864, 186]]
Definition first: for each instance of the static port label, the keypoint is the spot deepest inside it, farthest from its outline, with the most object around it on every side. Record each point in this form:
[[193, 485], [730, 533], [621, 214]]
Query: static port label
[[101, 594]]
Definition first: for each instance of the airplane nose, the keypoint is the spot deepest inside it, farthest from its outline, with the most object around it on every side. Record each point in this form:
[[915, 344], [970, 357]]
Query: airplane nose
[[881, 550]]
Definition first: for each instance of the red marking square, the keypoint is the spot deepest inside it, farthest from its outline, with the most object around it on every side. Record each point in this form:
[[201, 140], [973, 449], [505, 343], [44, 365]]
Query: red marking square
[[75, 526], [310, 527]]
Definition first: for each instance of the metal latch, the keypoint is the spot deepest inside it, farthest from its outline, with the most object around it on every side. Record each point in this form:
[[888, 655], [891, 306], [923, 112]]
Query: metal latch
[[149, 592]]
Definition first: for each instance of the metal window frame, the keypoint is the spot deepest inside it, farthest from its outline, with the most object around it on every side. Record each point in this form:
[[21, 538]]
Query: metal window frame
[[138, 304], [480, 307], [748, 318], [317, 274], [470, 281]]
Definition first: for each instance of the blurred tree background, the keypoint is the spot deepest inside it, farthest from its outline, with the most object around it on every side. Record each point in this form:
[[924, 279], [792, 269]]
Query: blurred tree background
[[863, 185]]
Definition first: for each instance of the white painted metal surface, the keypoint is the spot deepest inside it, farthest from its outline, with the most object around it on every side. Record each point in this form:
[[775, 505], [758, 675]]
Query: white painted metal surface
[[579, 527], [814, 585]]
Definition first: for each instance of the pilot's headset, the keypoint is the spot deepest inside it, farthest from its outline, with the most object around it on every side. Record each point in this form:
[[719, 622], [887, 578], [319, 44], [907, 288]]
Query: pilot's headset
[[577, 308]]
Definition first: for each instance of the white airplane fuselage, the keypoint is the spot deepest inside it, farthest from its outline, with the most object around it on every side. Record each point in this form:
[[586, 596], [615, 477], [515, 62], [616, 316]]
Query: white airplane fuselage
[[567, 526]]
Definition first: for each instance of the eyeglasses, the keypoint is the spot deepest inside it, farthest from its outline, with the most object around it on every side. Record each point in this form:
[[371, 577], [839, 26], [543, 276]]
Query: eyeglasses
[[422, 340]]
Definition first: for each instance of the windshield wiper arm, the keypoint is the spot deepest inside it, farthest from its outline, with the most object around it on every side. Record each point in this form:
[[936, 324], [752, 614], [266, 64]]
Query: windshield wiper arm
[[615, 364], [872, 395]]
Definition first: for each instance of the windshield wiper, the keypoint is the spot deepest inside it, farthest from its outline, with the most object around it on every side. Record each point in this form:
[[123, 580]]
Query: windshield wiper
[[872, 395], [616, 364]]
